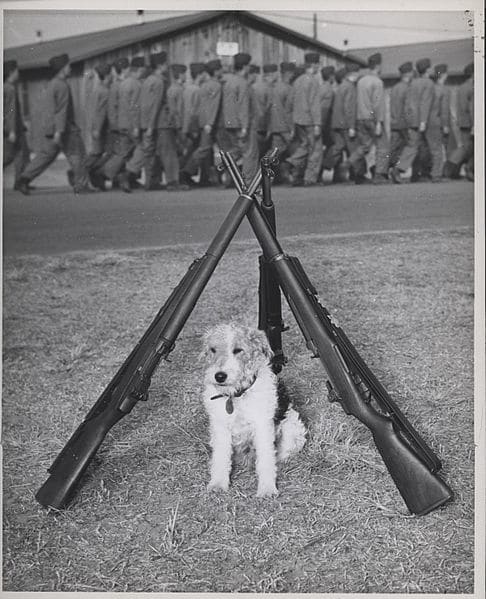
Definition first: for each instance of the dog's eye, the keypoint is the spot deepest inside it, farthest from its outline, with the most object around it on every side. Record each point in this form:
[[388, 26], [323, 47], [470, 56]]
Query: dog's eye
[[237, 350], [212, 350]]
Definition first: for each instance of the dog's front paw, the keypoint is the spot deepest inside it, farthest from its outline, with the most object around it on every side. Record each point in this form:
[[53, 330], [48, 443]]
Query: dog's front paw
[[218, 485], [267, 490]]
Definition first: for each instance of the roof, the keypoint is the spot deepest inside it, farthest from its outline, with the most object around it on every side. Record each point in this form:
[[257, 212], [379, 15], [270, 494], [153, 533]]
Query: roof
[[455, 53], [89, 45]]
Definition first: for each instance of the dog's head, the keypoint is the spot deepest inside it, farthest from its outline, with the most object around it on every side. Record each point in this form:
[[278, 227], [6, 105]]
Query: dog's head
[[234, 354]]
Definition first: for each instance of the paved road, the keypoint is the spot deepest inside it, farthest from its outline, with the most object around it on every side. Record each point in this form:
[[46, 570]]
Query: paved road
[[55, 221]]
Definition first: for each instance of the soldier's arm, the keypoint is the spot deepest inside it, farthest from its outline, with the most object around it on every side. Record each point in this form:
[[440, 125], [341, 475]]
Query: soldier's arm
[[349, 107], [213, 102], [244, 106], [101, 110], [315, 104], [9, 110], [445, 110], [61, 102], [378, 99], [425, 104]]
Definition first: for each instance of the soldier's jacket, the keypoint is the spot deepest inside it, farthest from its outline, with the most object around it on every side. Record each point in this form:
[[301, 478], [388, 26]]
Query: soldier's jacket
[[344, 106], [151, 97], [440, 108], [175, 104], [306, 101], [418, 100], [397, 105], [261, 103], [326, 98], [280, 108], [97, 108], [12, 117], [236, 102], [191, 97], [113, 101], [209, 102], [58, 108], [129, 104], [465, 104], [370, 98]]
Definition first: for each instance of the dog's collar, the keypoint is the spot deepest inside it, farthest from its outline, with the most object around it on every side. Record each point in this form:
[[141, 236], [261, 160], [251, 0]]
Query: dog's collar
[[238, 393]]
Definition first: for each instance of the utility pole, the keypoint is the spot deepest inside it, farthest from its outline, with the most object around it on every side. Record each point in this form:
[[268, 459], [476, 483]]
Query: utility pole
[[314, 23]]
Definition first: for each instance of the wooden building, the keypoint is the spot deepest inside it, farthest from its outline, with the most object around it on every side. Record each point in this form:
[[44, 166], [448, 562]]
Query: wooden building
[[191, 37]]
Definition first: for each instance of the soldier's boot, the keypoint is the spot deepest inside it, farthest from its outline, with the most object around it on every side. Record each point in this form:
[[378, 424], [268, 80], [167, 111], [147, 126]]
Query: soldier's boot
[[124, 182], [23, 186]]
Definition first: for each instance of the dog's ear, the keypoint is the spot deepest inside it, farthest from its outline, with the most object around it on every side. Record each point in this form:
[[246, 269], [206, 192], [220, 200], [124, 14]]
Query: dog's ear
[[259, 339]]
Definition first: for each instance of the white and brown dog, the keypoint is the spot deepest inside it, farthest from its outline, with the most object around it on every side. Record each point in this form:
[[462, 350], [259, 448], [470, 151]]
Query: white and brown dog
[[246, 406]]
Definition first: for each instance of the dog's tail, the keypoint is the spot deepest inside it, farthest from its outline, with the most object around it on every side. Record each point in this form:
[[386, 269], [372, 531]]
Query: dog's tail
[[292, 435]]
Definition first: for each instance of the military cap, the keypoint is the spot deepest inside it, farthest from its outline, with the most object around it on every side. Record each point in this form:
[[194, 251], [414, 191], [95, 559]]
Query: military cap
[[340, 74], [469, 69], [299, 70], [326, 72], [406, 67], [103, 70], [270, 68], [196, 69], [157, 59], [254, 68], [9, 67], [213, 65], [422, 65], [241, 60], [58, 62], [287, 67], [311, 57], [137, 61], [121, 63], [374, 60], [440, 69], [178, 69], [352, 67]]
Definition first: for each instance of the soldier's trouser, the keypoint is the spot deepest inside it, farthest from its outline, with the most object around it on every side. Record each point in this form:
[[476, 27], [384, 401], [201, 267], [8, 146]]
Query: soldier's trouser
[[366, 137], [251, 155], [201, 155], [398, 140], [262, 142], [149, 148], [231, 141], [122, 151], [73, 147], [166, 150], [465, 152], [307, 157], [410, 151], [340, 142], [435, 141], [17, 152]]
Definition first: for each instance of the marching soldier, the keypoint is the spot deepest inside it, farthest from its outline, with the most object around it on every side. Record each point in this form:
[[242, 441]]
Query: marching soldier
[[398, 123], [121, 67], [170, 139], [343, 121], [305, 161], [151, 101], [370, 118], [257, 127], [15, 148], [60, 131], [191, 98], [418, 100], [438, 123], [236, 109], [97, 120], [280, 124], [209, 110], [464, 153]]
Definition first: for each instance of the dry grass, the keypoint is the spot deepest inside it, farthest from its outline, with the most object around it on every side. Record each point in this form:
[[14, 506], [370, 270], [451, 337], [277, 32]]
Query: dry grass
[[142, 520]]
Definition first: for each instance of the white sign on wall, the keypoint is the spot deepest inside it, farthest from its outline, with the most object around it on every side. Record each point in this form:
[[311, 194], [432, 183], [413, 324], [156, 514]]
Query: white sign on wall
[[227, 48]]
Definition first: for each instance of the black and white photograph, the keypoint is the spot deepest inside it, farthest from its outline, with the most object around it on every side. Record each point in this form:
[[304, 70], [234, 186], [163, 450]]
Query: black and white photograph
[[243, 299]]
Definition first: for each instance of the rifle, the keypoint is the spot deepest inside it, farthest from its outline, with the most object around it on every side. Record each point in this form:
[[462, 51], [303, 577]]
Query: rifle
[[410, 462]]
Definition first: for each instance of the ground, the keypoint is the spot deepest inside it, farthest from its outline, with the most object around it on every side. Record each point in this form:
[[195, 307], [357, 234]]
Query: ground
[[142, 519]]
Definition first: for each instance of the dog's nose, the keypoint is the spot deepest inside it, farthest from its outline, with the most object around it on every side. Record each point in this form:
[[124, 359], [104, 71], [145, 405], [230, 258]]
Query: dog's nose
[[220, 377]]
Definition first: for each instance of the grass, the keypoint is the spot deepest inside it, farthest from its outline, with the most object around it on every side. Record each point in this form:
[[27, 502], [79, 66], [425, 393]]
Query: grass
[[142, 520]]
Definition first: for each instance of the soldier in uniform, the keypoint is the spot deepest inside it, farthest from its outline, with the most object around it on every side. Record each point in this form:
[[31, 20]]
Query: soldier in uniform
[[398, 123], [370, 118], [438, 123], [257, 125], [464, 153], [343, 122], [15, 148], [418, 100], [97, 122], [60, 131], [236, 109], [128, 126], [191, 98], [305, 161], [280, 123], [326, 99], [151, 101], [209, 110]]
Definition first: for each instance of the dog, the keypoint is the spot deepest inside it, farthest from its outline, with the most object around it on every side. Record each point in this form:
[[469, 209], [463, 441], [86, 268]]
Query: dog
[[247, 407]]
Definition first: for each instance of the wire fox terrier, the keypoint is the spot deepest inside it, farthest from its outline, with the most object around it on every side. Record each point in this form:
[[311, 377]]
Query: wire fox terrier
[[247, 407]]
